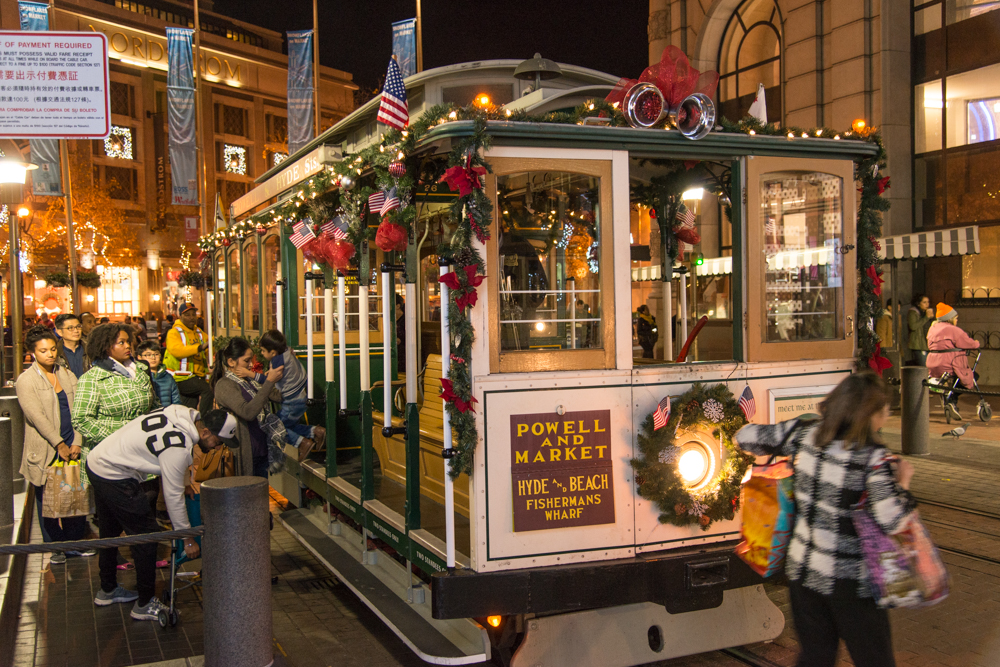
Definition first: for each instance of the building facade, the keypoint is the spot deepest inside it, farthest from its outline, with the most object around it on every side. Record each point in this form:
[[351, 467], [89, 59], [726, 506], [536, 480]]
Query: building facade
[[242, 123]]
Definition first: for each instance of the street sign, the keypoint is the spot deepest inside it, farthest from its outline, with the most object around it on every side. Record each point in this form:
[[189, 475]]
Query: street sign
[[191, 228], [54, 85]]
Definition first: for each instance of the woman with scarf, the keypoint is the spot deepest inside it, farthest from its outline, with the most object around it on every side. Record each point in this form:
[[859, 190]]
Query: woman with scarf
[[260, 433]]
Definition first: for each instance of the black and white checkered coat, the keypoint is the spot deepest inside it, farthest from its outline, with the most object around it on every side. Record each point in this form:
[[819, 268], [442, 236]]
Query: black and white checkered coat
[[824, 553]]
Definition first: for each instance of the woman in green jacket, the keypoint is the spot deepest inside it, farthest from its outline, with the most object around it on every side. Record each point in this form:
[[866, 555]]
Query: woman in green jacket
[[919, 318]]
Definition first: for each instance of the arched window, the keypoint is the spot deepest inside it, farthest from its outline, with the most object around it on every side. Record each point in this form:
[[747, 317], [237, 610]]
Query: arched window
[[750, 55]]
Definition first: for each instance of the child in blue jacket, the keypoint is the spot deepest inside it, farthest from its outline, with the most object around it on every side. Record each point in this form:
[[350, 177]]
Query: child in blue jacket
[[163, 382]]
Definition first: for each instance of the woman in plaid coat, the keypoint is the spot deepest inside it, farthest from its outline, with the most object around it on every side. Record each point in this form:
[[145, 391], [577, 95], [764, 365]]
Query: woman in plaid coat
[[115, 390]]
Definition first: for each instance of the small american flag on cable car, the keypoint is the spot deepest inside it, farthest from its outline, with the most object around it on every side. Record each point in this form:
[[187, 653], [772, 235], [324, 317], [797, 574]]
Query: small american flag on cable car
[[393, 110], [337, 228], [685, 217], [302, 233], [391, 202], [661, 415], [375, 202], [747, 403], [771, 227]]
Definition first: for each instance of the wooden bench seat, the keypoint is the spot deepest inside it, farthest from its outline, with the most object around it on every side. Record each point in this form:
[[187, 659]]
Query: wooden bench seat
[[392, 451]]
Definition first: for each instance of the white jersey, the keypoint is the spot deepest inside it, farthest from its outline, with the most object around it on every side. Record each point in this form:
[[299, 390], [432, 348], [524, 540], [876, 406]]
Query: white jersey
[[158, 443]]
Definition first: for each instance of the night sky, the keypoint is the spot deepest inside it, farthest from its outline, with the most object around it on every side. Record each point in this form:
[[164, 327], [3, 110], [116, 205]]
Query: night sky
[[355, 35]]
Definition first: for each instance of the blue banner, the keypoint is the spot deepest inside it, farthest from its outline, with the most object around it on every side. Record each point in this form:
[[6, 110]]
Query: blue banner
[[181, 118], [404, 46], [44, 152], [300, 89]]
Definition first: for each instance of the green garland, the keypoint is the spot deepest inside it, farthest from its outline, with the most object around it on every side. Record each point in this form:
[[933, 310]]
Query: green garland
[[655, 468]]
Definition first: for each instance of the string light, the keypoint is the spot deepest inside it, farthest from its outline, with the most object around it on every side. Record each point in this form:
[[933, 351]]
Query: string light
[[235, 158], [118, 144]]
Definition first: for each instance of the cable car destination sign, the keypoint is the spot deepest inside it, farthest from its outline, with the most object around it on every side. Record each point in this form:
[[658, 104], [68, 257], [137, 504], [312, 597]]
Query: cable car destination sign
[[561, 470]]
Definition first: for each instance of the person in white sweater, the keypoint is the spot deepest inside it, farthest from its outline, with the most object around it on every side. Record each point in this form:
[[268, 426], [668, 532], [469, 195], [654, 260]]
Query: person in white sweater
[[157, 443]]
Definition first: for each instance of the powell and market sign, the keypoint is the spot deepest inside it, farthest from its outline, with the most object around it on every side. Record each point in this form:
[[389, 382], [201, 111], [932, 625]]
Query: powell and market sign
[[148, 50]]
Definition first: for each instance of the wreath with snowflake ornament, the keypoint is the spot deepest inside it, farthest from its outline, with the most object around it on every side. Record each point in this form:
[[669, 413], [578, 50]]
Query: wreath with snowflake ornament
[[701, 410]]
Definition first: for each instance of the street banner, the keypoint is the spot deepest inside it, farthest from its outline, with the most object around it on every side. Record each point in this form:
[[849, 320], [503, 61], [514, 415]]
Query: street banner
[[404, 45], [300, 89], [44, 152], [181, 118], [191, 231], [160, 163]]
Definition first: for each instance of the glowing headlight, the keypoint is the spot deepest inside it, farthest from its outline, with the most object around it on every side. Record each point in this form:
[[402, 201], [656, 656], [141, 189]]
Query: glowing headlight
[[539, 326], [692, 465]]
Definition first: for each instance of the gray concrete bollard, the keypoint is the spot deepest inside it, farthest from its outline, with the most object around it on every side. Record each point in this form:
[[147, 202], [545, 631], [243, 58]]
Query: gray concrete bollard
[[236, 571], [916, 412], [9, 407], [6, 476]]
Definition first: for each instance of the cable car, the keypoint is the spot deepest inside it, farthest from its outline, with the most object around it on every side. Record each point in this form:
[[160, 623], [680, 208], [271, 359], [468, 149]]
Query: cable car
[[553, 546]]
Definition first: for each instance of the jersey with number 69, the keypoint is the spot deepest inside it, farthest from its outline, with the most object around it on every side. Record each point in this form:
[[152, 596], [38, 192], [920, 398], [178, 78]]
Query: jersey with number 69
[[157, 443]]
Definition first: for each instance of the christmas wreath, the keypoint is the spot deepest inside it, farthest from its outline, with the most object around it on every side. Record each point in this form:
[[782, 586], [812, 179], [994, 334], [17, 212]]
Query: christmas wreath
[[704, 418]]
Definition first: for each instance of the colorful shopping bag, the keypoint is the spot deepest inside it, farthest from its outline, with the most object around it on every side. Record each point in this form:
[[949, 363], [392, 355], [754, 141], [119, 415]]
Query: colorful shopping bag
[[768, 502], [904, 569], [66, 491]]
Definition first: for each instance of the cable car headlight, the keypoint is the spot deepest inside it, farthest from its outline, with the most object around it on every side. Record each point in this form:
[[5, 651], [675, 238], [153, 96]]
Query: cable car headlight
[[697, 464]]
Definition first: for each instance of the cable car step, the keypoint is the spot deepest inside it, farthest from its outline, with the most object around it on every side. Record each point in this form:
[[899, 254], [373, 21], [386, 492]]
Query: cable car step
[[383, 587]]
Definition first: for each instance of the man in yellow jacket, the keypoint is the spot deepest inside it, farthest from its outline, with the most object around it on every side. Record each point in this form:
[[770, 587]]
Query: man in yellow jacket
[[187, 360]]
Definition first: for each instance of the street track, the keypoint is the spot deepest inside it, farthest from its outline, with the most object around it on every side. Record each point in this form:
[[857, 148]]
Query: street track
[[747, 658], [989, 531]]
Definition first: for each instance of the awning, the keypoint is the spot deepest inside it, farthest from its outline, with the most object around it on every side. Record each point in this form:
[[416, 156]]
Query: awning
[[944, 243], [716, 266]]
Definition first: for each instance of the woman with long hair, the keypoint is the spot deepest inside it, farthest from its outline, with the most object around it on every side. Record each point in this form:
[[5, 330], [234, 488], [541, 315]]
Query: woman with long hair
[[260, 432], [919, 318], [837, 460], [45, 392]]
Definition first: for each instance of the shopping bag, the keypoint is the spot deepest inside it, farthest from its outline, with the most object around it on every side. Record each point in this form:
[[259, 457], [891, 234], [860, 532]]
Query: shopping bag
[[768, 502], [904, 569], [66, 492]]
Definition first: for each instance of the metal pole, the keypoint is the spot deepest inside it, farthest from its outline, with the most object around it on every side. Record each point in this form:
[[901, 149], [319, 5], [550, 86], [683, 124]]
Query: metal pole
[[342, 338], [449, 483], [70, 237], [309, 335], [16, 296], [236, 562], [668, 339], [209, 314], [387, 332], [316, 64], [682, 293], [199, 133], [420, 40], [915, 411], [364, 352], [328, 334], [897, 314], [572, 313], [6, 474], [279, 306]]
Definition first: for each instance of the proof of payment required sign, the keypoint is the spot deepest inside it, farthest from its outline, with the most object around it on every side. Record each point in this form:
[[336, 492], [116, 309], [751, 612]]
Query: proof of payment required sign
[[54, 85], [561, 470]]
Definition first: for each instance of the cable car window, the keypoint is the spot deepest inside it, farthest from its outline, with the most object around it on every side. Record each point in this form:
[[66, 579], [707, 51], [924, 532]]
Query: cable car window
[[235, 302], [220, 292], [550, 259], [803, 228], [252, 285], [272, 269]]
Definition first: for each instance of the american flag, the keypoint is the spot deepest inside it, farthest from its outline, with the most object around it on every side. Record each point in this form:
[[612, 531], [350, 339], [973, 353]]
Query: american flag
[[302, 233], [375, 201], [337, 228], [771, 227], [391, 202], [747, 404], [662, 414], [393, 110], [685, 216]]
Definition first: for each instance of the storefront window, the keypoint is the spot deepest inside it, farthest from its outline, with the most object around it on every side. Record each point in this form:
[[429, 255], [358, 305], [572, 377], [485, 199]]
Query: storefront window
[[550, 259], [119, 291], [272, 273], [928, 116], [751, 55], [961, 10], [928, 192], [235, 290], [927, 19], [252, 285], [973, 103], [973, 188], [802, 216]]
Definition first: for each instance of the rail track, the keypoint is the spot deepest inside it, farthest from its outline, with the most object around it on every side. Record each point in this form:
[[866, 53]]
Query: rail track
[[985, 525]]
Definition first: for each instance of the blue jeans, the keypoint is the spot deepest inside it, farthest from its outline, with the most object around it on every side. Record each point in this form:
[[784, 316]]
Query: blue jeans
[[291, 412]]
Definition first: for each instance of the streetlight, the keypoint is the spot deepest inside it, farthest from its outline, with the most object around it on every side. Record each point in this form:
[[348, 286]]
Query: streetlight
[[12, 177]]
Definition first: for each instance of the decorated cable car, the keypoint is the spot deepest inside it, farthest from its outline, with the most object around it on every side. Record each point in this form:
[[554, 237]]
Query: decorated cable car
[[532, 326]]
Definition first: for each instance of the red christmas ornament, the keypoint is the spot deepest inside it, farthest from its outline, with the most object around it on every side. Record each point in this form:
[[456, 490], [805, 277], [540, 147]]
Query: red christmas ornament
[[397, 168], [390, 236], [226, 241], [261, 230]]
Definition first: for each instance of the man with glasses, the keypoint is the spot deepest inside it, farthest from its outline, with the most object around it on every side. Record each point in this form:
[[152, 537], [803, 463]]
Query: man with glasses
[[70, 332]]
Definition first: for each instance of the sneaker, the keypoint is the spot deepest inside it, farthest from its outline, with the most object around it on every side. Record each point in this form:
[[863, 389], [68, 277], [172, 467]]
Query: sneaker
[[82, 554], [58, 558], [150, 612], [305, 447], [120, 595]]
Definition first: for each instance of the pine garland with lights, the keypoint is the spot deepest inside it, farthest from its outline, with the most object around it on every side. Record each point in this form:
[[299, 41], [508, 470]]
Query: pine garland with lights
[[656, 473]]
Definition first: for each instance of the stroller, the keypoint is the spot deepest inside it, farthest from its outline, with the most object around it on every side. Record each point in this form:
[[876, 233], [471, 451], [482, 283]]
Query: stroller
[[944, 387], [177, 558]]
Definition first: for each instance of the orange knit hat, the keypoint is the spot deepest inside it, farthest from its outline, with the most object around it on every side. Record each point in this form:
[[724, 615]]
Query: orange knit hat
[[945, 312]]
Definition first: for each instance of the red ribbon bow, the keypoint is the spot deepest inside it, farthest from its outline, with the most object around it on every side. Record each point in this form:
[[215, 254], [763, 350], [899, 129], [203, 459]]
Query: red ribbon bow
[[878, 363], [876, 279], [464, 178], [448, 394], [674, 76], [467, 295], [883, 184]]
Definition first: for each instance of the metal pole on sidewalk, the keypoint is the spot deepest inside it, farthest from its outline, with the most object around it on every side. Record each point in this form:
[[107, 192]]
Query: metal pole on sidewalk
[[236, 563], [6, 474], [915, 411]]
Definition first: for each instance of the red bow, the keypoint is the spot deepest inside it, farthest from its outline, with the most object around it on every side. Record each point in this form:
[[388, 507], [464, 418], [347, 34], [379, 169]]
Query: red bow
[[390, 236], [467, 300], [883, 184], [674, 76], [465, 406], [878, 363], [451, 280], [876, 279], [448, 394], [688, 235], [464, 179], [467, 297], [470, 275]]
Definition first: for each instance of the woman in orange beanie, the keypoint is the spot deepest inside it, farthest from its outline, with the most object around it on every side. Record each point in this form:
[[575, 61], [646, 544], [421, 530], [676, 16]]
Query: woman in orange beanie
[[947, 344]]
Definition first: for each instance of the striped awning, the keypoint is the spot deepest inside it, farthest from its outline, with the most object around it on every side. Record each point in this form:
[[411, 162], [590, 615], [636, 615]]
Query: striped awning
[[716, 266], [944, 243]]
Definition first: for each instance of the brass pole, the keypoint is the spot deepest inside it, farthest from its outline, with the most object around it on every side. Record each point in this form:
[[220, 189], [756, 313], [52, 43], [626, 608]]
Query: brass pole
[[420, 40]]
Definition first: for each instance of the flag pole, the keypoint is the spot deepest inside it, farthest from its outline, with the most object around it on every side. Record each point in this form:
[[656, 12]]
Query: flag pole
[[420, 40], [197, 119], [315, 46]]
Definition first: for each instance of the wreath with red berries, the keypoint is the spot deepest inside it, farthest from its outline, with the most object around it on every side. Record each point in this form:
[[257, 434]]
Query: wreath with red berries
[[709, 410]]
